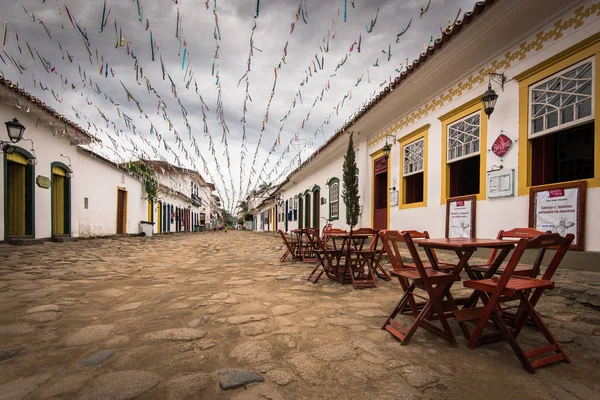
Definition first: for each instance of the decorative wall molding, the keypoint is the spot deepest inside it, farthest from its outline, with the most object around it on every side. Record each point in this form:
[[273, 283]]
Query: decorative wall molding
[[519, 53]]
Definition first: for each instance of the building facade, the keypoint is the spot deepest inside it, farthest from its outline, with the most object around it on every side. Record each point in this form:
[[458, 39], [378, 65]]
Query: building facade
[[53, 186], [452, 169]]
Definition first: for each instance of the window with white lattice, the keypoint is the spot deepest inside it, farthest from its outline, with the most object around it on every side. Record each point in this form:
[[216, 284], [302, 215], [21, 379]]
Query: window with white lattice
[[413, 157], [562, 100], [463, 137], [561, 125], [413, 171], [464, 155]]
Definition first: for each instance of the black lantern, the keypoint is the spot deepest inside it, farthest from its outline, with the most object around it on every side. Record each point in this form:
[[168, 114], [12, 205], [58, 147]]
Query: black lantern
[[490, 97], [387, 148], [15, 130], [489, 100]]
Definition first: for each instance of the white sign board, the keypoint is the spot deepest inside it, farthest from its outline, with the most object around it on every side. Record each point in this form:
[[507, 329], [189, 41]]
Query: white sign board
[[501, 183], [393, 198], [556, 211], [460, 218]]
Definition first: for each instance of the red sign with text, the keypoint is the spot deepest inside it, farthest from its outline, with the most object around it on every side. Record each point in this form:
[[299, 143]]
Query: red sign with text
[[502, 144]]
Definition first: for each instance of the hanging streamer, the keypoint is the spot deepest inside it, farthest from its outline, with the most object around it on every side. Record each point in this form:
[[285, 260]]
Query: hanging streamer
[[257, 8], [183, 61], [424, 10], [152, 45], [139, 11]]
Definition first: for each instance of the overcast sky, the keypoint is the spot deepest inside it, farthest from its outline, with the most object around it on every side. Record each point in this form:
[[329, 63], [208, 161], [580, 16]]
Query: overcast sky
[[236, 19]]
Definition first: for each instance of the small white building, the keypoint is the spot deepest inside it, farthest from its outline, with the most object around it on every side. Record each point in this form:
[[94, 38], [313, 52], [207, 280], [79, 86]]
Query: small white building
[[534, 162]]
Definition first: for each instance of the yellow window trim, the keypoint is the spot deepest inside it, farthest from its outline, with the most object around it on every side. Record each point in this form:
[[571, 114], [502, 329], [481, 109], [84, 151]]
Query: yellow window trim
[[579, 52], [468, 108], [17, 158], [374, 156], [58, 171], [415, 135]]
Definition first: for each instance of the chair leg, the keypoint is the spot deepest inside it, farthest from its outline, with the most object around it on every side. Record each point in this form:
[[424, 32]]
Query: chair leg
[[512, 343], [311, 277], [435, 300], [416, 323], [488, 310], [284, 256]]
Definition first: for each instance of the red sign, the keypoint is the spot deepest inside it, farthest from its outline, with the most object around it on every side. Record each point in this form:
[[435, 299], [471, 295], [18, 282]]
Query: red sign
[[460, 203], [502, 144], [557, 193]]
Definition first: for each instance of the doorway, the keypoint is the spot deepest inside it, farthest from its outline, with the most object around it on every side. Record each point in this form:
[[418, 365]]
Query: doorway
[[121, 210], [19, 194], [307, 210], [61, 200], [316, 209], [286, 215], [159, 217], [300, 212], [380, 194]]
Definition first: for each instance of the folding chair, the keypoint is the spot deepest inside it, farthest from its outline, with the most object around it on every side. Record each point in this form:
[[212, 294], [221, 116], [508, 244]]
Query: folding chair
[[443, 266], [359, 266], [327, 233], [436, 283], [528, 291], [325, 257], [291, 247], [483, 270]]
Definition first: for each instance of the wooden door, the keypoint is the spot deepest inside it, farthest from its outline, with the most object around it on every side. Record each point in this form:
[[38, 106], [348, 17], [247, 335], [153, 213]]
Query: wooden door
[[121, 211], [307, 211], [16, 196], [380, 206], [159, 218], [58, 203], [286, 214], [317, 209], [300, 213]]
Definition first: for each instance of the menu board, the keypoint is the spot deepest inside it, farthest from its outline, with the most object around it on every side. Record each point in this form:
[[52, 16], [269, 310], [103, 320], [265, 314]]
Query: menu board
[[559, 209], [460, 217]]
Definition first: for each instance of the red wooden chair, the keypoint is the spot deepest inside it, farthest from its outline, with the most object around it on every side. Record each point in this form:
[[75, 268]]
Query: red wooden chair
[[520, 270], [327, 233], [359, 267], [291, 247], [528, 291], [326, 258], [425, 235], [436, 283]]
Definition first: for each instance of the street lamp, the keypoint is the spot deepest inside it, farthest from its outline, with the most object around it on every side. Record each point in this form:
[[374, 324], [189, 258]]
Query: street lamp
[[15, 130], [387, 148], [490, 97]]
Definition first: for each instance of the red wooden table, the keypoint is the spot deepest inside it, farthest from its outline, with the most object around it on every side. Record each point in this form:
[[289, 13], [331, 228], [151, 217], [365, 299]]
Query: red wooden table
[[352, 261]]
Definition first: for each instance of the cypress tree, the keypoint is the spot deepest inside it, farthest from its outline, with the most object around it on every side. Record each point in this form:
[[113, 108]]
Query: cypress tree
[[350, 191]]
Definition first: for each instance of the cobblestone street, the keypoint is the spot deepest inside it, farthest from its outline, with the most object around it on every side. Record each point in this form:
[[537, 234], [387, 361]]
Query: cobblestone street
[[158, 318]]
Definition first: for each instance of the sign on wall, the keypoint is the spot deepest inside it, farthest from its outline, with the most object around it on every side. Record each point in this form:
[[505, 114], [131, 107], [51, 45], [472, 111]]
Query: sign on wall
[[501, 145], [460, 217], [393, 198], [43, 181], [501, 183], [560, 209]]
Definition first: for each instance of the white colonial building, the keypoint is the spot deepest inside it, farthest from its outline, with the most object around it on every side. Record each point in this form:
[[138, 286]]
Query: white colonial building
[[450, 168], [55, 187]]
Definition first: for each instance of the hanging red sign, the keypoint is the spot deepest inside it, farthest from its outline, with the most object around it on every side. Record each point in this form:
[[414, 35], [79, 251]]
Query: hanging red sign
[[501, 145]]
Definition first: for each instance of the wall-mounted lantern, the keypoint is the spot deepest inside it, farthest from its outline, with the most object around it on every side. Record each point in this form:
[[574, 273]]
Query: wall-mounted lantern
[[490, 97]]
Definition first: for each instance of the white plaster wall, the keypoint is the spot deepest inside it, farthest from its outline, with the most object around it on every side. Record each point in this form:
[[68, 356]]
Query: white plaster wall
[[47, 149], [491, 214], [176, 201], [99, 182], [319, 175]]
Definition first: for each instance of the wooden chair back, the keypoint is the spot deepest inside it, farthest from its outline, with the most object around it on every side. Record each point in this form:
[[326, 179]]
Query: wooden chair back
[[372, 233], [285, 241], [421, 235], [543, 242], [329, 231], [520, 233], [390, 240]]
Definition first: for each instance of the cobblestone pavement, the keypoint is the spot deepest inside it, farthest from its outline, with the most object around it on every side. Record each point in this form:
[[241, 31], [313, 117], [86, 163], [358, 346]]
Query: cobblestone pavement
[[158, 318]]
